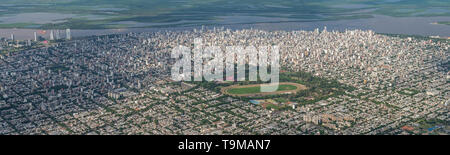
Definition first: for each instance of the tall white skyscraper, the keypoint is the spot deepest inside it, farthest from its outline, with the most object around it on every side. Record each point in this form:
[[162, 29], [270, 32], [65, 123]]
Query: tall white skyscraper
[[51, 35], [57, 35], [12, 37], [35, 36], [68, 35]]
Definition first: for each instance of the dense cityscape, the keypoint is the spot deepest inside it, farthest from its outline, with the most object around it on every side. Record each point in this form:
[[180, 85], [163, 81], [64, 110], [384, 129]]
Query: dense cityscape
[[358, 82]]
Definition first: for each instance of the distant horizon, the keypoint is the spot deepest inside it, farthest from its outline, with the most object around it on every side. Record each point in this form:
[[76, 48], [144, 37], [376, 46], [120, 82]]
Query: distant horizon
[[413, 17], [443, 30]]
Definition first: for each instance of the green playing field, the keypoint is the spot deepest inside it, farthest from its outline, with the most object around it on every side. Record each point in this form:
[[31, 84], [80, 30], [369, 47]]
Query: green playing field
[[257, 89]]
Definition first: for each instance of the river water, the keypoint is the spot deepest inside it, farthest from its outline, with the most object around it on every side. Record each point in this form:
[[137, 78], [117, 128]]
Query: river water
[[379, 23]]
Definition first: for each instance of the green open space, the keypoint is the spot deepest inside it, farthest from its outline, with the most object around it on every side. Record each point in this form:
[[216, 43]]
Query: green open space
[[257, 89], [444, 23]]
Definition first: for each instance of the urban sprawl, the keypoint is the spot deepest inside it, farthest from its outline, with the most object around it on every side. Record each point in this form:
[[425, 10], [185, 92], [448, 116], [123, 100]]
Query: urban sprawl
[[121, 84]]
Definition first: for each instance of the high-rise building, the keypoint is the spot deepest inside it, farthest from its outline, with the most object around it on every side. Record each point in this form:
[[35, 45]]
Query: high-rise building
[[57, 35], [35, 36], [68, 35], [51, 35], [12, 37]]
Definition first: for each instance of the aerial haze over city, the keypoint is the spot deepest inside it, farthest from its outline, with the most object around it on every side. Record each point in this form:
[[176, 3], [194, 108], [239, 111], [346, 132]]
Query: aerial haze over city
[[344, 67]]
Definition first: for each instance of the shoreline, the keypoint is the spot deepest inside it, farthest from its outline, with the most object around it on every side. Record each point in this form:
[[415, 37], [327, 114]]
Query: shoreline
[[420, 26]]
